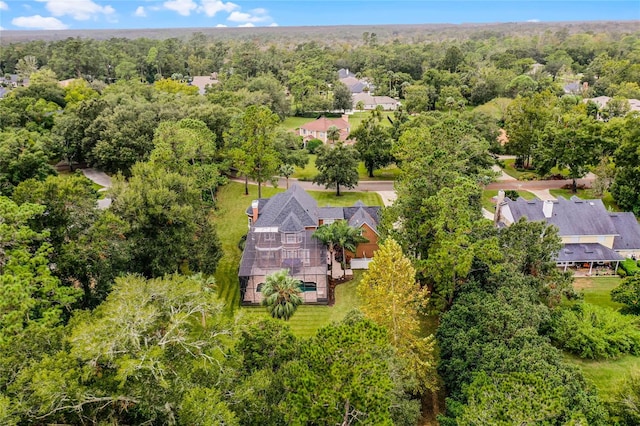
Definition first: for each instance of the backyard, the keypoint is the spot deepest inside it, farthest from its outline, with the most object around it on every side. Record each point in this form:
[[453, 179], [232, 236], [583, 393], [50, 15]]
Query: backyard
[[607, 374]]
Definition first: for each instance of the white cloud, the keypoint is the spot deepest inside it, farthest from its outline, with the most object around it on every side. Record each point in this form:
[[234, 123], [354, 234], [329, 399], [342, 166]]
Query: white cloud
[[247, 17], [183, 7], [273, 24], [259, 11], [4, 6], [80, 10], [533, 20], [221, 26], [140, 12], [212, 7], [39, 22], [247, 25], [1, 29]]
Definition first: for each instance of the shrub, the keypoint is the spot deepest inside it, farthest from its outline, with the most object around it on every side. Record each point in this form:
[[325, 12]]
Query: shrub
[[528, 176], [593, 332], [313, 145], [622, 273], [630, 266], [628, 293]]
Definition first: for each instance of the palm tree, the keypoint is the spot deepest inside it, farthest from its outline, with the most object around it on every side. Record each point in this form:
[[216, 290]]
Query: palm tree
[[281, 294], [333, 134], [450, 103], [347, 237], [326, 236], [287, 170]]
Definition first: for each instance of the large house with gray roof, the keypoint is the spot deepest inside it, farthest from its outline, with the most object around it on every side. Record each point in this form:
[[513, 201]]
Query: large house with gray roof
[[280, 237], [590, 234]]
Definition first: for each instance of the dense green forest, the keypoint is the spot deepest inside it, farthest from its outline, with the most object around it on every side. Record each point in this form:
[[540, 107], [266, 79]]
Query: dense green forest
[[112, 316]]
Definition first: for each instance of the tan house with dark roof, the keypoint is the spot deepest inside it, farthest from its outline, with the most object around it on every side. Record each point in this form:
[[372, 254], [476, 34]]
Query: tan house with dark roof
[[590, 234]]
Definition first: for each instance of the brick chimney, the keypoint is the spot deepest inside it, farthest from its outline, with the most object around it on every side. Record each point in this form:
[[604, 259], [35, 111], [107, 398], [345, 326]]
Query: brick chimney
[[254, 209], [499, 201]]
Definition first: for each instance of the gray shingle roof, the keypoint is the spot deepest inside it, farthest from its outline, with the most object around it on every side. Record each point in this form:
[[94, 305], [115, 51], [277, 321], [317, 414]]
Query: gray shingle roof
[[291, 224], [331, 213], [628, 230], [360, 217], [572, 217], [360, 214], [294, 201], [587, 252]]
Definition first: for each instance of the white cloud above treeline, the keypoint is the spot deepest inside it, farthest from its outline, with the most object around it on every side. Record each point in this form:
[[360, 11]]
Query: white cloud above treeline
[[140, 12], [39, 22], [4, 6], [80, 10]]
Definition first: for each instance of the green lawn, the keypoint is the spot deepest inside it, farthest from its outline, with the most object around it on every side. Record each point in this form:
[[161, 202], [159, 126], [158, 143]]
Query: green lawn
[[607, 198], [292, 123], [608, 374], [232, 220], [310, 171], [309, 318], [488, 200], [513, 172], [597, 290], [390, 172], [358, 117]]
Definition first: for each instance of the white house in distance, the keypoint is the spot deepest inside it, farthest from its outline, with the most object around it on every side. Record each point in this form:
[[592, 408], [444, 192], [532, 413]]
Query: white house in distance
[[318, 129], [370, 102], [590, 234]]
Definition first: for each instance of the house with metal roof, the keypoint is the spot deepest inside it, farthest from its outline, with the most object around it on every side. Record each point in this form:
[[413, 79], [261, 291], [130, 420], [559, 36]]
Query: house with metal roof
[[590, 234], [280, 237]]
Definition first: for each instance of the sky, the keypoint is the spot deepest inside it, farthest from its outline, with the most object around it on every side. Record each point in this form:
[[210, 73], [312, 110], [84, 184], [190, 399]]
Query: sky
[[128, 14]]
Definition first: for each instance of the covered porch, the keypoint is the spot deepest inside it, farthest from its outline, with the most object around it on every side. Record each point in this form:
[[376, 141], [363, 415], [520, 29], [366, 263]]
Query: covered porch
[[587, 259]]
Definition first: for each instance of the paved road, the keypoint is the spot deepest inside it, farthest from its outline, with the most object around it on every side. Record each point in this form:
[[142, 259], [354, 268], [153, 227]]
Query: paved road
[[538, 184], [101, 178], [363, 186]]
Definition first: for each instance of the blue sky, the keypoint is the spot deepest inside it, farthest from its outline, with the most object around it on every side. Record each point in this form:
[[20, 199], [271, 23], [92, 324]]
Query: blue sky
[[97, 14]]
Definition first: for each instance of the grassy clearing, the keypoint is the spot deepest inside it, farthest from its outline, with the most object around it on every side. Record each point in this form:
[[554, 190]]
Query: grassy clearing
[[489, 196], [292, 123], [512, 171], [597, 290], [606, 375], [310, 171], [309, 318], [357, 118], [390, 172], [607, 198], [232, 220]]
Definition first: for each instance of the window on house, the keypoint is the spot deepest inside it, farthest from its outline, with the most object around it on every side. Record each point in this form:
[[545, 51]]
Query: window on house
[[305, 255], [259, 288], [290, 254], [291, 238], [269, 236]]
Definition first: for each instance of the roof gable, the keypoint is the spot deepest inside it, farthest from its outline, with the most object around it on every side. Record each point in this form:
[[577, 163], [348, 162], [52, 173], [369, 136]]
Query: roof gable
[[628, 231], [293, 201]]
